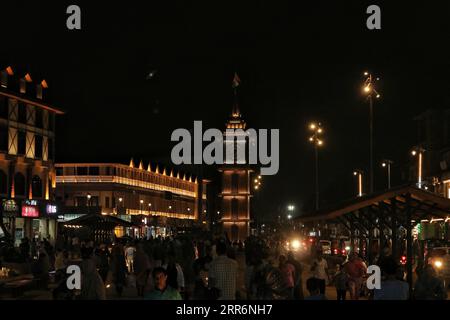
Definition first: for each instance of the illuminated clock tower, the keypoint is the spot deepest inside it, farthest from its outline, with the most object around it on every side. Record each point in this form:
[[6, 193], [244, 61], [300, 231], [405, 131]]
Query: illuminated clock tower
[[236, 186]]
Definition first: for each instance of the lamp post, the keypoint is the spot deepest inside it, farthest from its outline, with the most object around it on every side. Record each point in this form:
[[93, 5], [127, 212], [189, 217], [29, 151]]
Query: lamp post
[[387, 164], [359, 174], [89, 199], [418, 151], [318, 142], [369, 90]]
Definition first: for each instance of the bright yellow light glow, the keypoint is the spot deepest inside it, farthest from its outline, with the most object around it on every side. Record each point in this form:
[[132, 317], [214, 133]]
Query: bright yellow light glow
[[320, 142], [312, 126], [413, 152], [256, 180], [311, 139], [367, 89], [259, 177], [378, 96], [355, 173], [366, 73], [438, 264], [383, 164], [256, 187], [319, 130], [295, 244], [142, 201]]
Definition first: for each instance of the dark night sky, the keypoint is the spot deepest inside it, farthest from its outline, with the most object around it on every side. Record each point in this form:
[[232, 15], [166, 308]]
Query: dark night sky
[[298, 61]]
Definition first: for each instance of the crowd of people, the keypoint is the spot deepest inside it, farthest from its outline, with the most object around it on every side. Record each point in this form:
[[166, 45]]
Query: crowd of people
[[196, 268]]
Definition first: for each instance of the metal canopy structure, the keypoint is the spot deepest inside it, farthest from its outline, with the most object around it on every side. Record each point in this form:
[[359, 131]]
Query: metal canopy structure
[[386, 212], [98, 222]]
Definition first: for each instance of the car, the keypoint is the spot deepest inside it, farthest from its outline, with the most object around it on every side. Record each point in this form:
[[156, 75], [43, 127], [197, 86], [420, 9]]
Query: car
[[439, 258], [325, 245]]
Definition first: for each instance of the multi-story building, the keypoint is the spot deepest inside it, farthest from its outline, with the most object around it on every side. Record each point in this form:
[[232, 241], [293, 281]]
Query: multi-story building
[[27, 175], [236, 184], [433, 136], [159, 201]]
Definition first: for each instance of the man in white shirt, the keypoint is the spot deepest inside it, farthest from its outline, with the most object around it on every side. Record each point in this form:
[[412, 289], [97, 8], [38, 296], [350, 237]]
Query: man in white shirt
[[320, 271]]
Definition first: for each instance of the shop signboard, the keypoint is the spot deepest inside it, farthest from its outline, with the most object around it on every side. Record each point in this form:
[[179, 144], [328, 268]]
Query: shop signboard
[[51, 209], [30, 209], [10, 208]]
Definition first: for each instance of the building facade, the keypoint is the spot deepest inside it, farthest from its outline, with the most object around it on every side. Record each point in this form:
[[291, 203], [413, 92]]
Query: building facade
[[27, 174], [159, 201]]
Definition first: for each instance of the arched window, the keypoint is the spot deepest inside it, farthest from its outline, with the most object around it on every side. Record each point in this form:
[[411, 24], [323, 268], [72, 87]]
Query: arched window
[[234, 232], [3, 182], [19, 184], [36, 187], [235, 209]]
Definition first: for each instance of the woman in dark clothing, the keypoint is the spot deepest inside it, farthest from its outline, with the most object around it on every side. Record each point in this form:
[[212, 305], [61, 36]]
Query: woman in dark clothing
[[119, 268]]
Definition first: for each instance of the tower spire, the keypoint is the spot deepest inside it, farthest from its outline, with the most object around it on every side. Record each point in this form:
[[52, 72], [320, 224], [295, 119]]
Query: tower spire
[[236, 112]]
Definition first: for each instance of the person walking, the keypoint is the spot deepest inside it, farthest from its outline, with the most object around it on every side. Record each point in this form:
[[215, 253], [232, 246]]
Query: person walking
[[391, 287], [298, 287], [129, 256], [142, 269], [429, 286], [92, 285], [356, 270], [223, 273], [288, 271], [340, 281], [119, 268], [320, 271]]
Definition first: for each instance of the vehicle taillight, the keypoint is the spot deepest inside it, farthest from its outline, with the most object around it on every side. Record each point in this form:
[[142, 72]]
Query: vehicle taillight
[[343, 251]]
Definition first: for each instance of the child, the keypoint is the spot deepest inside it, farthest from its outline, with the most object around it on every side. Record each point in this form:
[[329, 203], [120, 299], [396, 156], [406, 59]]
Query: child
[[340, 282], [313, 286]]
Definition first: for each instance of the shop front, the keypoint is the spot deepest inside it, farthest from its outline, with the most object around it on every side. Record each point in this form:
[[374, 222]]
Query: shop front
[[29, 218]]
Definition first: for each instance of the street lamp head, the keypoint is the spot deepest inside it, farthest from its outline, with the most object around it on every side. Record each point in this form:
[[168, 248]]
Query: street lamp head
[[319, 142], [149, 204], [89, 196], [383, 164], [141, 201], [289, 216], [355, 173], [414, 152], [120, 199], [319, 130], [367, 88], [312, 126], [366, 73]]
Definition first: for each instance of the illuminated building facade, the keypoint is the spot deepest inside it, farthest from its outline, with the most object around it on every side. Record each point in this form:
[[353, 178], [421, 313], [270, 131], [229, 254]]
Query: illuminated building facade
[[159, 201], [27, 175], [236, 184]]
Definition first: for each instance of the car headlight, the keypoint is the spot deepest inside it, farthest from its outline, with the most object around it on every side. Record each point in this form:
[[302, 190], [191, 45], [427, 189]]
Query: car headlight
[[296, 244], [438, 264]]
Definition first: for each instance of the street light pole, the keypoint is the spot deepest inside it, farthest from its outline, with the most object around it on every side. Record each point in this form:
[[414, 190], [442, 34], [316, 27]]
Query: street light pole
[[419, 151], [387, 164], [371, 142], [360, 184], [369, 89], [317, 131]]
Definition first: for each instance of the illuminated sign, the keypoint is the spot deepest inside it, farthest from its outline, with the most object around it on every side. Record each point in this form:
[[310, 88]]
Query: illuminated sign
[[10, 206], [51, 209], [30, 209], [30, 212]]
